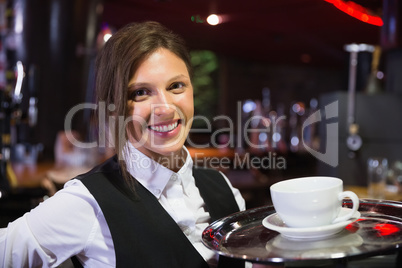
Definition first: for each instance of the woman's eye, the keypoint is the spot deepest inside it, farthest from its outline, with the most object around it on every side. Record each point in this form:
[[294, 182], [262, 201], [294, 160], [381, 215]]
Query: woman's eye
[[138, 95], [177, 86]]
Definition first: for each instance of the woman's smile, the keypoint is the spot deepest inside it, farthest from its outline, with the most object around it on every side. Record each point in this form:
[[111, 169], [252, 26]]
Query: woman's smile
[[165, 127]]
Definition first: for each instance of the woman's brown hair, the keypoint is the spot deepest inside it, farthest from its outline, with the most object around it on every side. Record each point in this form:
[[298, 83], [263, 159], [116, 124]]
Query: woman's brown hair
[[116, 64]]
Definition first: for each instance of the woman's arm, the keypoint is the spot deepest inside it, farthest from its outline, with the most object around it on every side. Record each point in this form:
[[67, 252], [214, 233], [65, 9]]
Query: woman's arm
[[57, 229]]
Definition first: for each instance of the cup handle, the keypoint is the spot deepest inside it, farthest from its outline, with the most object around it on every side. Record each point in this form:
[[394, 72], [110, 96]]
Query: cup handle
[[355, 207]]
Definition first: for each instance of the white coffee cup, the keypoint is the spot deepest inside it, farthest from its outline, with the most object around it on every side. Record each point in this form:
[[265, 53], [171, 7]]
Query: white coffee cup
[[311, 201]]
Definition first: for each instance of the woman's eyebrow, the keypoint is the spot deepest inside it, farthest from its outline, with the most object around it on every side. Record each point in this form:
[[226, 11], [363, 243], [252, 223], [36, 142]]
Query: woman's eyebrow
[[180, 76], [145, 84], [138, 84]]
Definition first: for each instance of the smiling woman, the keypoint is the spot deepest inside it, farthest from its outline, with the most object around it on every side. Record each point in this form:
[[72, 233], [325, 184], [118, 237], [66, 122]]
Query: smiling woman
[[148, 205], [161, 96], [152, 89]]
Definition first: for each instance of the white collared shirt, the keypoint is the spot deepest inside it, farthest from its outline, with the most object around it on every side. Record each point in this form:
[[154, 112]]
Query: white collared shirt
[[49, 234]]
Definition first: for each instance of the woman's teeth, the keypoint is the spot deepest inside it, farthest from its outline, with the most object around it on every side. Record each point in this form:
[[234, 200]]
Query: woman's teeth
[[164, 128]]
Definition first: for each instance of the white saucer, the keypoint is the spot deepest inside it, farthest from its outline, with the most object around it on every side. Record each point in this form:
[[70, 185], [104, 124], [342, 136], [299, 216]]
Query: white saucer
[[274, 222]]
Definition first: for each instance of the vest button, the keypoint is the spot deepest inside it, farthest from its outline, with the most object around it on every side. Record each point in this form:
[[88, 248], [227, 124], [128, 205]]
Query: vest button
[[157, 191], [187, 231]]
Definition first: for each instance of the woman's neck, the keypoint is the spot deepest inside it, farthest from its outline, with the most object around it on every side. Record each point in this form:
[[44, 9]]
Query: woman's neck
[[174, 161]]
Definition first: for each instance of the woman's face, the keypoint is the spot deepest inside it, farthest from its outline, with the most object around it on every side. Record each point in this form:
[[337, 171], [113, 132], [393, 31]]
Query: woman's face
[[160, 105]]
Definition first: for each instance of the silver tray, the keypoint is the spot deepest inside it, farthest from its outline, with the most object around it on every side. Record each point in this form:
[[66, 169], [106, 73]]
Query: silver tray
[[378, 231]]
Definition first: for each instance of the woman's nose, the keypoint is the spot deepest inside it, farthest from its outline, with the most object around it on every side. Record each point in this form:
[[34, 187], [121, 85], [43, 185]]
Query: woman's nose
[[163, 104]]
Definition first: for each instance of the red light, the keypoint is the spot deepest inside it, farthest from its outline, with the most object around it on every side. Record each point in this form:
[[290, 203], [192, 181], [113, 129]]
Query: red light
[[385, 229], [353, 227], [356, 11]]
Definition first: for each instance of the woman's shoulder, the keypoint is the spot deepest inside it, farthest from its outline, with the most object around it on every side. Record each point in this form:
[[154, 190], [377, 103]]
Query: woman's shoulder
[[109, 165]]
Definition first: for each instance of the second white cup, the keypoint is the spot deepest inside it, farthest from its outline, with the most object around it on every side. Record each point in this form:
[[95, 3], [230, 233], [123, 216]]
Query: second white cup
[[311, 201]]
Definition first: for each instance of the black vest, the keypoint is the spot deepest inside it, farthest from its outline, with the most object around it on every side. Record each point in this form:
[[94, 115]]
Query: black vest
[[144, 235]]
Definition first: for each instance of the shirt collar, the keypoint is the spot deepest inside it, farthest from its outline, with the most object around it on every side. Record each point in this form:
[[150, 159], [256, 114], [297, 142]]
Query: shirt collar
[[186, 171], [152, 175]]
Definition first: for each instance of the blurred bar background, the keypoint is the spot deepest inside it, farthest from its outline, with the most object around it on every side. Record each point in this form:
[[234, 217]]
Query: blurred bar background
[[278, 62]]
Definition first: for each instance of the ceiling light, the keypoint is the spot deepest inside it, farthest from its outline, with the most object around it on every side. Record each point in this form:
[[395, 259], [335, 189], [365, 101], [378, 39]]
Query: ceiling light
[[213, 19], [357, 11], [107, 36]]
